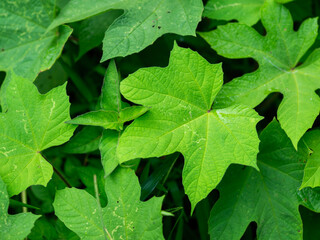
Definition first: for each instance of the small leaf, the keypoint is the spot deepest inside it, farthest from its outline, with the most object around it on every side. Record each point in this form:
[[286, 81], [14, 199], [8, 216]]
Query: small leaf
[[125, 217], [16, 226], [278, 54], [311, 177], [141, 24], [33, 123], [181, 119]]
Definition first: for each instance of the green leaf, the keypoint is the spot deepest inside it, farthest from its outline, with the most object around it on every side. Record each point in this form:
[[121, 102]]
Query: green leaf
[[92, 30], [109, 119], [125, 217], [141, 24], [26, 46], [113, 115], [85, 141], [16, 226], [278, 54], [311, 177], [181, 119], [245, 11], [270, 197], [33, 123]]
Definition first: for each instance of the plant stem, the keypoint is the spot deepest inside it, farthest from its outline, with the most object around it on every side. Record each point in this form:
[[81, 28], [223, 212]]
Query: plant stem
[[61, 177], [24, 200]]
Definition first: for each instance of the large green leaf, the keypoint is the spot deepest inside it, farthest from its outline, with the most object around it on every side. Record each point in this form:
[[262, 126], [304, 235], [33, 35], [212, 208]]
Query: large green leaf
[[32, 123], [181, 118], [270, 197], [245, 11], [26, 48], [141, 24], [125, 217], [13, 227], [311, 177], [278, 54]]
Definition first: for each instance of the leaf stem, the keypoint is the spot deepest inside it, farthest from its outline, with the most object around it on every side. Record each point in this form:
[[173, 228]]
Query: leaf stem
[[61, 177]]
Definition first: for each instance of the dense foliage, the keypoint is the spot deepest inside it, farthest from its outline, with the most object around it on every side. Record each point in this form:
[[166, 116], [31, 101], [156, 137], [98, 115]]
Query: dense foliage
[[163, 119]]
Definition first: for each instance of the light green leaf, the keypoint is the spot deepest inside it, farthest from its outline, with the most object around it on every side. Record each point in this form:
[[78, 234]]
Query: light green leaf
[[13, 227], [270, 197], [278, 54], [26, 47], [182, 119], [245, 11], [311, 177], [109, 119], [125, 217], [32, 123], [141, 24]]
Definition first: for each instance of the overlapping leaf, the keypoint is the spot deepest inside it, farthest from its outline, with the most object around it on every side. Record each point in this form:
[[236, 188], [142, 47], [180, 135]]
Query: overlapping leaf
[[13, 227], [182, 119], [141, 24], [270, 197], [245, 11], [113, 114], [32, 123], [278, 54], [311, 177], [25, 46], [125, 217]]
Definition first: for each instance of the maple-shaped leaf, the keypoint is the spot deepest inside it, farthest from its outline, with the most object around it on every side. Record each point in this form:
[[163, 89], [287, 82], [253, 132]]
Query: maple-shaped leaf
[[270, 197], [26, 48], [13, 227], [311, 177], [278, 54], [125, 216], [141, 24], [245, 11], [33, 122], [113, 114], [181, 118]]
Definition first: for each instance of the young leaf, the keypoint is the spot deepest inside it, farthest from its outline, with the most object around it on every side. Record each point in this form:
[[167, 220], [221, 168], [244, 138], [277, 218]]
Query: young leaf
[[245, 11], [125, 217], [311, 177], [26, 47], [141, 24], [13, 226], [181, 118], [33, 123], [270, 197], [278, 54], [113, 115]]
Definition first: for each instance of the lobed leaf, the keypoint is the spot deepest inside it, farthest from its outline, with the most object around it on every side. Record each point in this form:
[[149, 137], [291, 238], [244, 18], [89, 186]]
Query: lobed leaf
[[278, 54], [33, 123], [125, 217], [181, 118]]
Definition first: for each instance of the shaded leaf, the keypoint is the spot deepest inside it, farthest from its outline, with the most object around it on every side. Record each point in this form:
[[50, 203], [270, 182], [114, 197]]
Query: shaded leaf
[[16, 226], [141, 24], [270, 197]]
